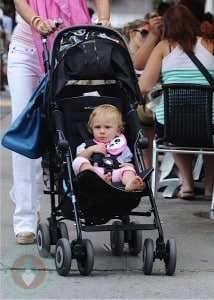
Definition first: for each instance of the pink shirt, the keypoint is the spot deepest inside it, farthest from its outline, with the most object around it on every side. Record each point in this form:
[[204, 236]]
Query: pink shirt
[[72, 12]]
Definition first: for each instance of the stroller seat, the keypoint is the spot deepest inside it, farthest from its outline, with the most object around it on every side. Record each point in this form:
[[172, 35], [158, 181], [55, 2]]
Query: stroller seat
[[99, 198]]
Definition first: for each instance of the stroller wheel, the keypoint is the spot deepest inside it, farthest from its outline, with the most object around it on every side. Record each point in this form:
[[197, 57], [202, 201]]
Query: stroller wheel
[[85, 262], [117, 240], [62, 230], [63, 257], [43, 240], [135, 244], [148, 256], [171, 256]]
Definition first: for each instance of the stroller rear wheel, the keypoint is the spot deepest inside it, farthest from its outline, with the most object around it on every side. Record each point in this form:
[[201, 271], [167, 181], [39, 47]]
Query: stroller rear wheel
[[85, 262], [62, 230], [148, 256], [63, 257], [43, 240], [135, 244], [117, 240], [171, 256]]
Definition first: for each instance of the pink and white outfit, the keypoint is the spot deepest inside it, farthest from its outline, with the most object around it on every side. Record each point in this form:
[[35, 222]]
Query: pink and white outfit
[[25, 68], [118, 146]]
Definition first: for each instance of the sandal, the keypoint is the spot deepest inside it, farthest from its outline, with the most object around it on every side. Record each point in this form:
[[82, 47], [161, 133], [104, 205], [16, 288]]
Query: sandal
[[186, 195], [24, 238]]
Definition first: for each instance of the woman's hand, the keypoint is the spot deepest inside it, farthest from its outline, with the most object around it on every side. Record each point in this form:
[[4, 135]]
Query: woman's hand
[[156, 24], [45, 27], [104, 22]]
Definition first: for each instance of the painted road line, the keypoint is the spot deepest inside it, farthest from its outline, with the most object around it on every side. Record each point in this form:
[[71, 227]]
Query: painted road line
[[5, 103]]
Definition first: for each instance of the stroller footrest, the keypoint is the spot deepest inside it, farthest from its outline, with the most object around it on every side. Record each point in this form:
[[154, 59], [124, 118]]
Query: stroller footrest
[[125, 227]]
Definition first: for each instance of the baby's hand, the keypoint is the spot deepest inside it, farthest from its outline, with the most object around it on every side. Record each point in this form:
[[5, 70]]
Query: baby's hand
[[99, 149]]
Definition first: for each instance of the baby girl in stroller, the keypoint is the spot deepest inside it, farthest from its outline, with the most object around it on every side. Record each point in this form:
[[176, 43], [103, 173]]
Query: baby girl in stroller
[[107, 153]]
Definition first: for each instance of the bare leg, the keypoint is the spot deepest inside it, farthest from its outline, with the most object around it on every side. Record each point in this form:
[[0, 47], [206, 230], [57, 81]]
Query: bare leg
[[87, 166], [184, 164], [131, 181], [147, 153], [208, 174]]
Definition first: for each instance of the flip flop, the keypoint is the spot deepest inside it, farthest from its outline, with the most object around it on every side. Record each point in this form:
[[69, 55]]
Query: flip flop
[[186, 195]]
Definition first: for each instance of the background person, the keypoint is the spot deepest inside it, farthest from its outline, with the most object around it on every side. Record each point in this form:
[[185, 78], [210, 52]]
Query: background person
[[136, 34], [154, 36], [181, 32]]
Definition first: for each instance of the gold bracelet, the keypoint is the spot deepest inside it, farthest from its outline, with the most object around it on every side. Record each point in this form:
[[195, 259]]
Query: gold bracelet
[[34, 19], [36, 22]]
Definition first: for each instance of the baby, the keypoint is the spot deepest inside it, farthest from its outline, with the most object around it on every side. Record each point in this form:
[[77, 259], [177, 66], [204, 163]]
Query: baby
[[106, 125]]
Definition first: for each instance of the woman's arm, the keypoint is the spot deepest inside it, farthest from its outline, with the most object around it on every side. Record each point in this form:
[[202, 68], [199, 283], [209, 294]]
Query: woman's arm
[[143, 53], [24, 10], [103, 11], [152, 69], [43, 27]]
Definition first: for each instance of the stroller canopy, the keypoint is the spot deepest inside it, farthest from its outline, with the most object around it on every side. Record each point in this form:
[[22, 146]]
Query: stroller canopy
[[91, 53]]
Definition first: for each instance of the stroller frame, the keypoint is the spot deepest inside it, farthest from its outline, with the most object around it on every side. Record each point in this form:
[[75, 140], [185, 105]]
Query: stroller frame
[[74, 193]]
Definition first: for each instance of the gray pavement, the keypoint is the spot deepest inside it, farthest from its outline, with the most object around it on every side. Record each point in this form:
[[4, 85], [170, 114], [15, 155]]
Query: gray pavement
[[25, 275]]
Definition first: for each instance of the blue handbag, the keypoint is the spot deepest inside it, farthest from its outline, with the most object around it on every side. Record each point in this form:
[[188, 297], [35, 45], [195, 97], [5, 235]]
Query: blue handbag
[[27, 135]]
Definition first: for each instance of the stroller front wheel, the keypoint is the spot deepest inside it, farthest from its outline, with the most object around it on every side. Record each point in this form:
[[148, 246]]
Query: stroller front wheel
[[63, 257], [148, 256], [171, 256], [85, 262]]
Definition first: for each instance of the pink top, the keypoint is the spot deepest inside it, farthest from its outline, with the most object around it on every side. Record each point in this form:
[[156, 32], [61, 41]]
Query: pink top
[[72, 12]]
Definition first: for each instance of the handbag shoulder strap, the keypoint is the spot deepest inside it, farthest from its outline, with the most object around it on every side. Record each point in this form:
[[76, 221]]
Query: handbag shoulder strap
[[201, 67]]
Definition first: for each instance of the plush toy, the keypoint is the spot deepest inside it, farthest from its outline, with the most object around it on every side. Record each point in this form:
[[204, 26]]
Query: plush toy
[[117, 145]]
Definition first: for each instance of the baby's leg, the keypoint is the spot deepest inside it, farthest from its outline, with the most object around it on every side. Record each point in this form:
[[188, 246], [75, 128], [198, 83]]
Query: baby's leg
[[131, 181], [100, 171], [128, 177], [134, 183], [81, 163]]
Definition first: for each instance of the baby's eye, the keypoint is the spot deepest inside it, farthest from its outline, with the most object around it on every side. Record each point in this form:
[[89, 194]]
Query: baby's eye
[[108, 127]]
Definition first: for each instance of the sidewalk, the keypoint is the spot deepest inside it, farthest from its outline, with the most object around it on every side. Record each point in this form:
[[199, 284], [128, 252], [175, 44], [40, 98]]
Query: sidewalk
[[188, 222]]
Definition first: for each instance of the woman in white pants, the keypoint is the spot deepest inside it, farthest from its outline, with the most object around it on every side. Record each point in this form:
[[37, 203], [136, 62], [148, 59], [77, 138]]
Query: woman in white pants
[[27, 173], [25, 68]]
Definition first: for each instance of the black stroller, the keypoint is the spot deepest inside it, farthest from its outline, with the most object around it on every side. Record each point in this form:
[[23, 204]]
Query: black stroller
[[91, 65]]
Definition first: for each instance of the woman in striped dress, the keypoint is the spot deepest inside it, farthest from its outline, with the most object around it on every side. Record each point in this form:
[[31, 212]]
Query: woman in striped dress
[[181, 33]]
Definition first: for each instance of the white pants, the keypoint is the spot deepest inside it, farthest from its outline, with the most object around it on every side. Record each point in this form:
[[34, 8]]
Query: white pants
[[24, 73]]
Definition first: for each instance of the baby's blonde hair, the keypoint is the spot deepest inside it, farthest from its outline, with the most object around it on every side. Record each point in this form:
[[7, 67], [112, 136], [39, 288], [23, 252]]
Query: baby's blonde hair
[[105, 109]]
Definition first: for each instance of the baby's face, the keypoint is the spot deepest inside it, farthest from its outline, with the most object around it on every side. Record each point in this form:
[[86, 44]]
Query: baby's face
[[105, 127]]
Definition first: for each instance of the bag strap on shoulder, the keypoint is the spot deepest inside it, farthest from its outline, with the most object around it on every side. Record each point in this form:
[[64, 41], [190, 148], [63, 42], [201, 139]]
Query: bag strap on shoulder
[[201, 67]]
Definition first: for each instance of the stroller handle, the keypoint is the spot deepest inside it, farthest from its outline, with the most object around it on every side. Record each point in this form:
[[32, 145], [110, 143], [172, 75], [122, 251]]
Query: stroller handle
[[58, 120], [45, 54]]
